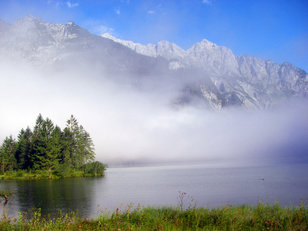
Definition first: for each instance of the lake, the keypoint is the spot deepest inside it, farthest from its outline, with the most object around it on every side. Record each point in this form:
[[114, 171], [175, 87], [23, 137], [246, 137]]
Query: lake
[[160, 186]]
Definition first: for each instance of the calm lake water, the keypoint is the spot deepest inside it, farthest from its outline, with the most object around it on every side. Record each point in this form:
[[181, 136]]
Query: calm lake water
[[160, 186]]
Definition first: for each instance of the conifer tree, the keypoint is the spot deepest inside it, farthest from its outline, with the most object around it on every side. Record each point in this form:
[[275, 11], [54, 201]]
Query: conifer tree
[[72, 138], [7, 154], [39, 143], [53, 149], [49, 148], [79, 145], [23, 148], [86, 146], [66, 144]]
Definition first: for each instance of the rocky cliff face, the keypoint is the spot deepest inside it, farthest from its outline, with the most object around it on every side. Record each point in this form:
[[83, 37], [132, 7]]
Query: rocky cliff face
[[206, 73], [243, 80]]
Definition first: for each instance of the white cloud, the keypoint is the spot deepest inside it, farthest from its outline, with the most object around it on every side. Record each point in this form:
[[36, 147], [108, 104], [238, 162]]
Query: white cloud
[[151, 12], [71, 4], [101, 29], [126, 127], [206, 1], [97, 27], [118, 12]]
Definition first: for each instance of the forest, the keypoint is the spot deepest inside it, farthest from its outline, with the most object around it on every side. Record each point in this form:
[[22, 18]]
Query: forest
[[50, 152]]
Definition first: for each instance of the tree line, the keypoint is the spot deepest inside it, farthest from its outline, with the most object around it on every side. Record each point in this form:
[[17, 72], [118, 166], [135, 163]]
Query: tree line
[[47, 147]]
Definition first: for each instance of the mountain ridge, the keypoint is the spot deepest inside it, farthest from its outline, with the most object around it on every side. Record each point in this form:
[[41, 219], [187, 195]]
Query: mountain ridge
[[221, 61], [210, 74]]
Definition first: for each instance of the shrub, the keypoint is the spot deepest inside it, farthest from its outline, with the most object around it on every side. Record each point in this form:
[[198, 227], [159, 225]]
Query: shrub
[[95, 168]]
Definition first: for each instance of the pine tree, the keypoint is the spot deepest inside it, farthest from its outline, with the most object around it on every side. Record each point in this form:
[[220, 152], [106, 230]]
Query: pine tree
[[53, 149], [85, 147], [72, 142], [39, 144], [49, 148], [7, 154], [77, 143], [23, 148], [66, 144]]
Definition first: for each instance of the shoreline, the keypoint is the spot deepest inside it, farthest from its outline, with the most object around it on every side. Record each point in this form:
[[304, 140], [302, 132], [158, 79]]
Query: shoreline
[[45, 175], [244, 217]]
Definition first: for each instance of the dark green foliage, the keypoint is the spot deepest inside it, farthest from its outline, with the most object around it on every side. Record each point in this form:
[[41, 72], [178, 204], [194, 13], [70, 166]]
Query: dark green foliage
[[50, 150], [41, 144], [95, 168], [7, 154], [79, 147], [22, 154], [53, 150]]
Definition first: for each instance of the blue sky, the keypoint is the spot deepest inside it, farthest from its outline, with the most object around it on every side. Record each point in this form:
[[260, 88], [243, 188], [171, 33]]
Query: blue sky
[[269, 29]]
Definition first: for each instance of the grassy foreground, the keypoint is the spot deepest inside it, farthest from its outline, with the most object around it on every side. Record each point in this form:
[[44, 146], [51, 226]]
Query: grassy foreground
[[260, 217]]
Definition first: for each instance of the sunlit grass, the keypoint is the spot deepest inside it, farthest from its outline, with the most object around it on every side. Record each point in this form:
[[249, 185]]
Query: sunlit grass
[[260, 217]]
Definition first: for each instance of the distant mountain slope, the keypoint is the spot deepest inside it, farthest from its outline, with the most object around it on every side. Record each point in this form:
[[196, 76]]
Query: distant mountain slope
[[40, 43], [240, 80], [205, 74]]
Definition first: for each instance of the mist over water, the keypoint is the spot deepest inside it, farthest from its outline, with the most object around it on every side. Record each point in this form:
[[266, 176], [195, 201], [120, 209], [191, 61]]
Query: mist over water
[[206, 186], [138, 123]]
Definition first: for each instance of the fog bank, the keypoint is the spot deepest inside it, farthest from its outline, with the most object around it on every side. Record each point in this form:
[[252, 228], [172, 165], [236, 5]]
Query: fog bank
[[138, 125]]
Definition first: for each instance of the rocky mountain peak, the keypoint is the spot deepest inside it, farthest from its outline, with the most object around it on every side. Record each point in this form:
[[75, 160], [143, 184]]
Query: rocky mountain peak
[[206, 44], [71, 23], [109, 36], [210, 72], [30, 18]]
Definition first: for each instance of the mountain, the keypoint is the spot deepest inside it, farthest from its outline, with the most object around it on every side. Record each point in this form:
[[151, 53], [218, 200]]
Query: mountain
[[243, 80], [34, 41], [205, 74]]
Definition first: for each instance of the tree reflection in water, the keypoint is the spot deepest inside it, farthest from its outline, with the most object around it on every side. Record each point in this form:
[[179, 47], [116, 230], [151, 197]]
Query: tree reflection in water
[[51, 196]]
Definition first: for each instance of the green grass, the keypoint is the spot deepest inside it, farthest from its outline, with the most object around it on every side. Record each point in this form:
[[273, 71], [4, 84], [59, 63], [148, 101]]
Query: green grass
[[42, 174], [261, 217]]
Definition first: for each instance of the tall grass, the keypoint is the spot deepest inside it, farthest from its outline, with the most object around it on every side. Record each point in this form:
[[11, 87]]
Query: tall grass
[[260, 217]]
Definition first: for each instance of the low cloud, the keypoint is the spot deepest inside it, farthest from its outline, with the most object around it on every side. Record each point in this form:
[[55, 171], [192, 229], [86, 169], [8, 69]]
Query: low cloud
[[130, 125], [151, 12]]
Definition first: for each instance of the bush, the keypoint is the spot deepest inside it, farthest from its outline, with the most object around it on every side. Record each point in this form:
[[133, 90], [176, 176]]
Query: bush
[[62, 170], [20, 173], [95, 168]]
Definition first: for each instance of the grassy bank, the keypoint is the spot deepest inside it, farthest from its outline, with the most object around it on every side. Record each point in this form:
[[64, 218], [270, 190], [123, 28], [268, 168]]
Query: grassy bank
[[260, 217], [44, 174]]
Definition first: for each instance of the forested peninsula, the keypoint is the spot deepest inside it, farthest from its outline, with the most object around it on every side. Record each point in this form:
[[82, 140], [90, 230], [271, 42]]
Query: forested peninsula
[[48, 152]]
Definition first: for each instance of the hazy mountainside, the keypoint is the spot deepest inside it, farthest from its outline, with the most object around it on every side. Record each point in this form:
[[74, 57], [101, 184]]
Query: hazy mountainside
[[63, 45], [243, 80], [205, 74]]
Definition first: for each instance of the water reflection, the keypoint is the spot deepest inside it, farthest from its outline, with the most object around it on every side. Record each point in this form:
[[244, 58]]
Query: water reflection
[[52, 196], [159, 186]]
